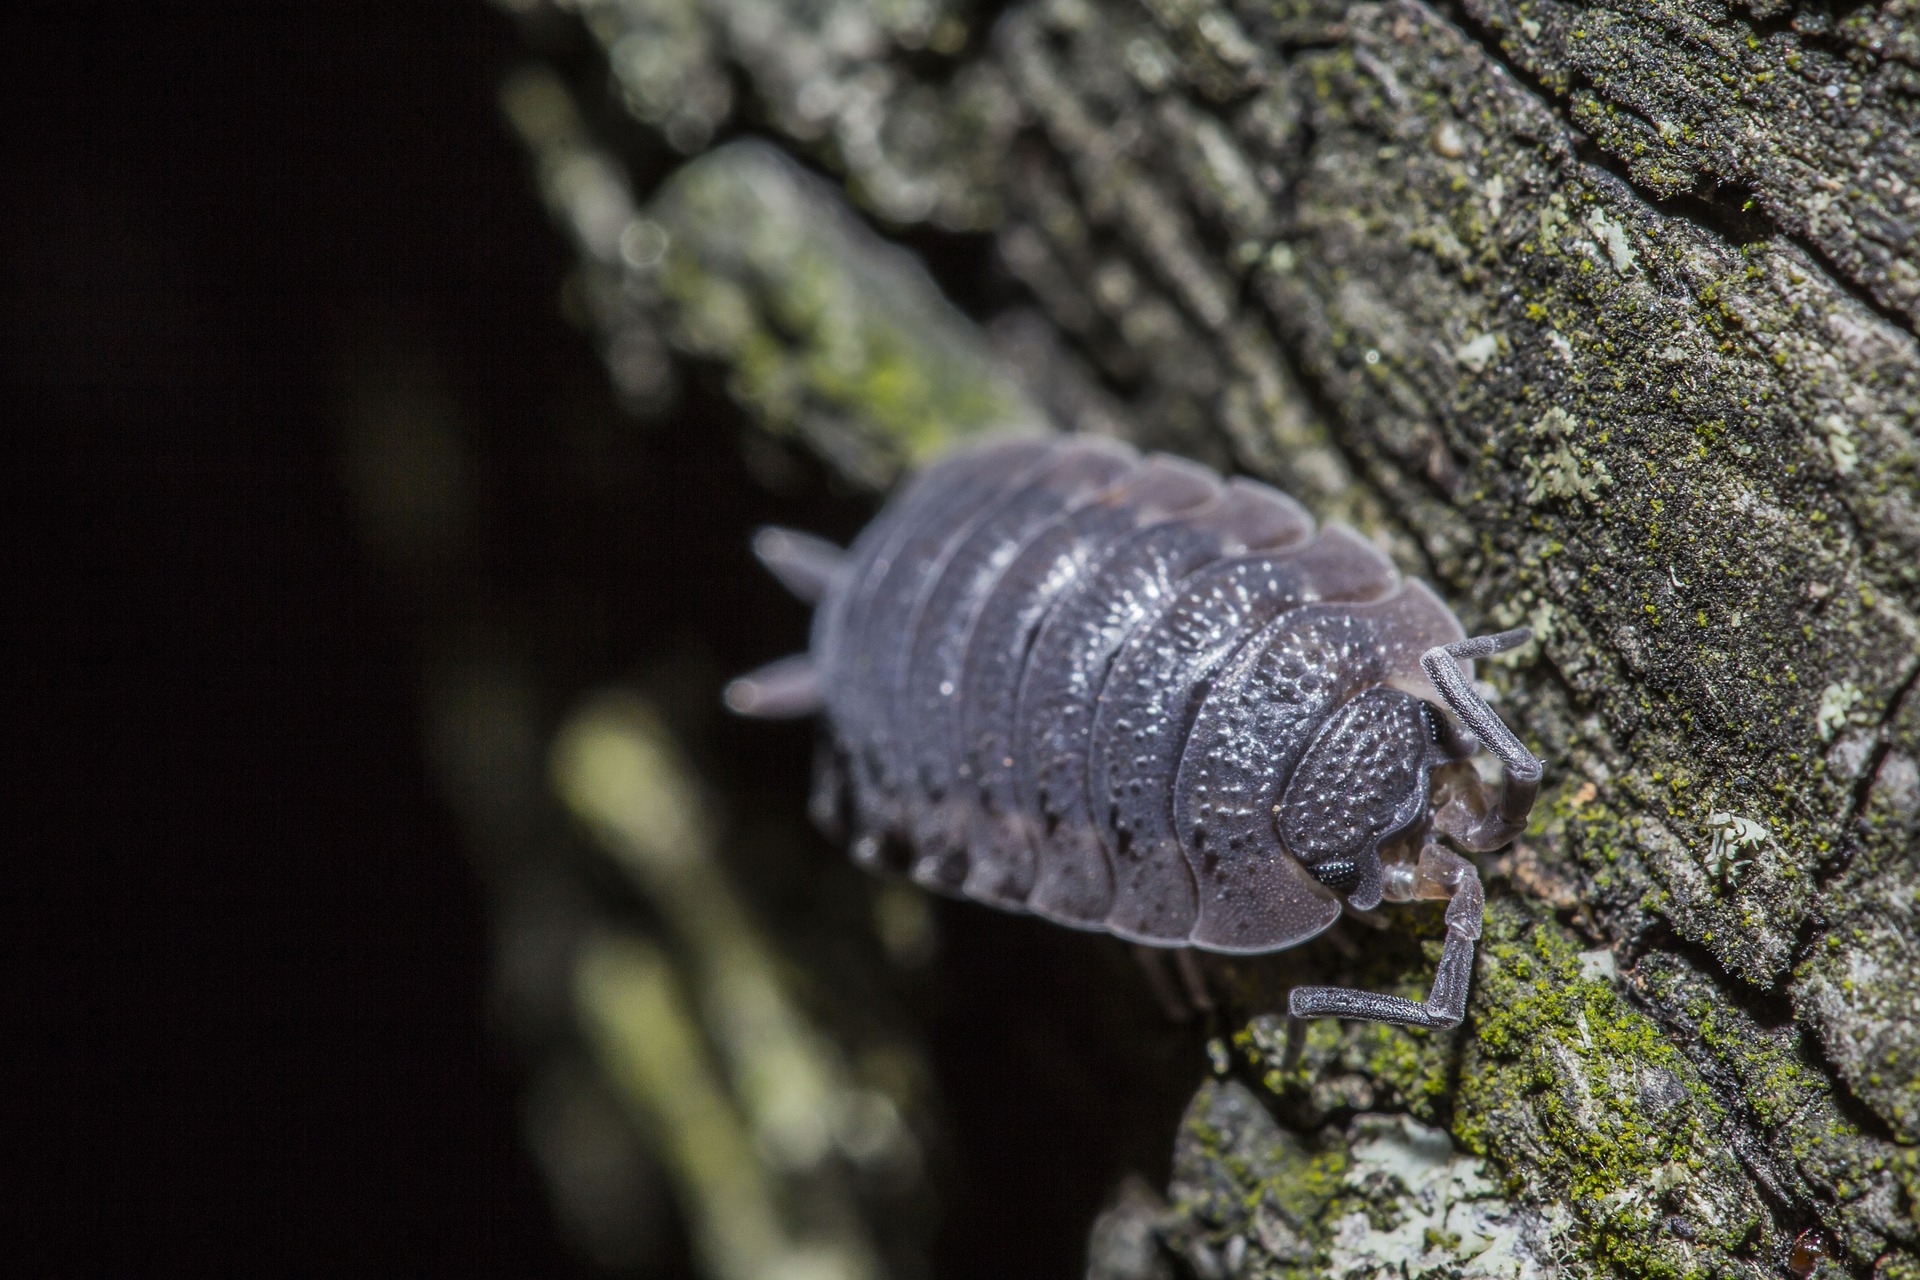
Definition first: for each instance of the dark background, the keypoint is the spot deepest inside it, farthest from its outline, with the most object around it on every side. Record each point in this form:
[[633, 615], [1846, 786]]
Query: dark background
[[242, 948], [242, 953]]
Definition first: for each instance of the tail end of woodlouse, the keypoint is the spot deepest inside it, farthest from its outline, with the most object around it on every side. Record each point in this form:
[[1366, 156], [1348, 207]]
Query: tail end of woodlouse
[[788, 689], [804, 564]]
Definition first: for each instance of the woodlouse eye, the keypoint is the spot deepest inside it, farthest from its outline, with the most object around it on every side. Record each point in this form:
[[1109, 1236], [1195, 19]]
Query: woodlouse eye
[[1341, 874]]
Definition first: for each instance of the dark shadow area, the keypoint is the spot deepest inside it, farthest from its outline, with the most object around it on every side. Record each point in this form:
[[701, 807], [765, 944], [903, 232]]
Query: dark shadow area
[[243, 954], [1061, 1075], [245, 951]]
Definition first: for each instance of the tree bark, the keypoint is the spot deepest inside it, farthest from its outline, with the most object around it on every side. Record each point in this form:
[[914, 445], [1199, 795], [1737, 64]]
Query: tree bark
[[1601, 317]]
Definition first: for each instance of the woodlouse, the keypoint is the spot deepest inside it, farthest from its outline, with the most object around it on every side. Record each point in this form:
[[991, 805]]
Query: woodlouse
[[1125, 695]]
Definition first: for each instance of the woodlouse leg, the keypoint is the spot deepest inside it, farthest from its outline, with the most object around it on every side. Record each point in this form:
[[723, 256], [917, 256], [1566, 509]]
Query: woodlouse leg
[[1520, 769], [1187, 961], [1442, 873], [804, 564], [1296, 1044], [827, 795], [1153, 963], [783, 690]]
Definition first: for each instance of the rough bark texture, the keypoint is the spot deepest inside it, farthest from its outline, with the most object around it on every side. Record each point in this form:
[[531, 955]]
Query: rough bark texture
[[1600, 316]]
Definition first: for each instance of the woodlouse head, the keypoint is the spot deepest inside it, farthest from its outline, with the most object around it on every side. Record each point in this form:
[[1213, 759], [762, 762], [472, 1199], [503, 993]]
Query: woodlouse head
[[1373, 778]]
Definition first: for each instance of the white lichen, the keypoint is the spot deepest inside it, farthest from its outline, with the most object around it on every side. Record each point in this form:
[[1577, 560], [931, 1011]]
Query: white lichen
[[1449, 1219], [1598, 965], [1553, 219], [1732, 836], [1840, 446], [1555, 424], [1477, 352], [1612, 237], [1836, 700], [1565, 473]]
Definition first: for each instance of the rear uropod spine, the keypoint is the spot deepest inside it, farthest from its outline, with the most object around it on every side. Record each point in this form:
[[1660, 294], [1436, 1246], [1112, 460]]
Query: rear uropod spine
[[1125, 695]]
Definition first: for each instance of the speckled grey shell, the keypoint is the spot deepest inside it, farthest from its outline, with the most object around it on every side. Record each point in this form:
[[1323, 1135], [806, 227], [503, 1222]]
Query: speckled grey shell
[[1126, 695]]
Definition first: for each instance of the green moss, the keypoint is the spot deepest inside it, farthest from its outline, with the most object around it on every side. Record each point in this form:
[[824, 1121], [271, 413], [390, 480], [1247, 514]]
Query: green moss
[[1780, 1092], [1580, 1099], [1238, 1174], [1344, 1067], [824, 328]]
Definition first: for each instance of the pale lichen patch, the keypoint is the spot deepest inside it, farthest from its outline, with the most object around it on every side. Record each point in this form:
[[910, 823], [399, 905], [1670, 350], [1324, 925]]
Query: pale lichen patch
[[1612, 237], [1477, 352], [1732, 837], [1448, 1219], [1840, 445], [1836, 701]]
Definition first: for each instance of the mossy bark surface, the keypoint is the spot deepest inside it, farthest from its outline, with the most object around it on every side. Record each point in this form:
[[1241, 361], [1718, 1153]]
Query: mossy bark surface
[[1602, 317]]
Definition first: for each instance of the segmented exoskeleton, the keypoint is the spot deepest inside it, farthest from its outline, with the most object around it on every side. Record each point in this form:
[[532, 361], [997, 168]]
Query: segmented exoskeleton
[[1125, 695]]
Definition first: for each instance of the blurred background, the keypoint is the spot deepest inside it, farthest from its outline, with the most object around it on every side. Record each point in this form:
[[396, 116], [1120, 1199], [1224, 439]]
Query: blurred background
[[386, 893]]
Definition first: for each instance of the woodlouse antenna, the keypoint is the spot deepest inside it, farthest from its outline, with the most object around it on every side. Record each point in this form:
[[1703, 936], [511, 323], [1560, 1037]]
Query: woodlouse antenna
[[1520, 776], [788, 689]]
